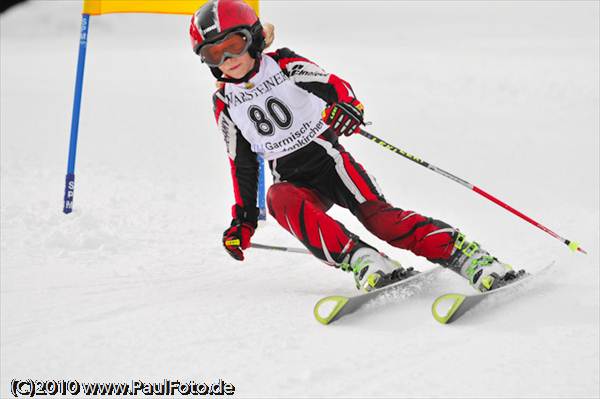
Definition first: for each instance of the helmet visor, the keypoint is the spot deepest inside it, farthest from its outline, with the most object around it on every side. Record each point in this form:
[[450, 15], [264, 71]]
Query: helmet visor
[[233, 45]]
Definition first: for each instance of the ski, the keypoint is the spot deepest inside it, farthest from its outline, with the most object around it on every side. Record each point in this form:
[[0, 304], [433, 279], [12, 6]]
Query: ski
[[332, 308], [459, 304]]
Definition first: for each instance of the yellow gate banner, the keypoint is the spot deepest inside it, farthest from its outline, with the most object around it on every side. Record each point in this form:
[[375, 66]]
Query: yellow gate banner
[[186, 7]]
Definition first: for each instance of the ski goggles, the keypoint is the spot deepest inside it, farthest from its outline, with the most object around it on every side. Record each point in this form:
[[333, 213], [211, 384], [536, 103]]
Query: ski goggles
[[233, 45]]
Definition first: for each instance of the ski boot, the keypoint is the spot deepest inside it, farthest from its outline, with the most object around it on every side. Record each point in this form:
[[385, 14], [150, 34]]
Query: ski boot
[[374, 270], [483, 271]]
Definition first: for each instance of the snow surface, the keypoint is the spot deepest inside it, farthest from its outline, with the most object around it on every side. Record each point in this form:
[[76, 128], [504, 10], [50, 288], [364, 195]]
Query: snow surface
[[135, 285]]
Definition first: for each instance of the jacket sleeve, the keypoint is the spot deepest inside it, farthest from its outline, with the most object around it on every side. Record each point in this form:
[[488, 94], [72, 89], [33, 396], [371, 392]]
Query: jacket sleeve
[[243, 162], [312, 78]]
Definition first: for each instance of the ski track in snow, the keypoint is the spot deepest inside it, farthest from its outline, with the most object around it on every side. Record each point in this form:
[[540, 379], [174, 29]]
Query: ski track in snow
[[135, 284]]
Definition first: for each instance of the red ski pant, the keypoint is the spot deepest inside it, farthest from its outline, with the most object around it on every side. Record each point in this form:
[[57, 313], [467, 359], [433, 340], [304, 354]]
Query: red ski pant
[[309, 181], [302, 212]]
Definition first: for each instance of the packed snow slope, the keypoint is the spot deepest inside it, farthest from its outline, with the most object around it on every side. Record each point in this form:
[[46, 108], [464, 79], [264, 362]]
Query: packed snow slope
[[134, 284]]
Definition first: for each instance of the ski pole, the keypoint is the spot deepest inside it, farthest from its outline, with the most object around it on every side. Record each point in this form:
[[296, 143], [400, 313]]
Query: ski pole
[[283, 249], [571, 244]]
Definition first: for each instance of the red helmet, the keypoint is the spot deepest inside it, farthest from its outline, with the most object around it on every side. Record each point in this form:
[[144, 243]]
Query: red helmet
[[217, 18]]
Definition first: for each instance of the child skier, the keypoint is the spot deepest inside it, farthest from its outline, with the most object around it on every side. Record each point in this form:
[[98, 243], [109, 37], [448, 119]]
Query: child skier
[[285, 108]]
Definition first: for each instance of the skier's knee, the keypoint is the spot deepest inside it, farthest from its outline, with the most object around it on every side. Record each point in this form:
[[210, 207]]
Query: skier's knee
[[286, 194], [280, 195]]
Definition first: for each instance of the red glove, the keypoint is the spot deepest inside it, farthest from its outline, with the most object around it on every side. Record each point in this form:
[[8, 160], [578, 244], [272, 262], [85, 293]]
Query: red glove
[[237, 238], [345, 118]]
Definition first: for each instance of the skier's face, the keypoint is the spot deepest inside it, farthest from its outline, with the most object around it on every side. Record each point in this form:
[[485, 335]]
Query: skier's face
[[237, 68]]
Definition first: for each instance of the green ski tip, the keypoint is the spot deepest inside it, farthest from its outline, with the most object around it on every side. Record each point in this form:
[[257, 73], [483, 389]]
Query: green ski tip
[[454, 299], [327, 308]]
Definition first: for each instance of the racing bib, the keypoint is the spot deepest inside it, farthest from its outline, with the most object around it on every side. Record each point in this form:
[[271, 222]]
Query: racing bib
[[274, 115]]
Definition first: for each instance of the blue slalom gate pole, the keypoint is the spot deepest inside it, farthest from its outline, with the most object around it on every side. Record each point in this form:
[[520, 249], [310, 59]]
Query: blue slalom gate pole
[[262, 215], [70, 179]]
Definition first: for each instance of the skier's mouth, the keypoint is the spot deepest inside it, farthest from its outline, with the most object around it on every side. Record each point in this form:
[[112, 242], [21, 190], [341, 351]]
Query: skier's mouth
[[235, 67]]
